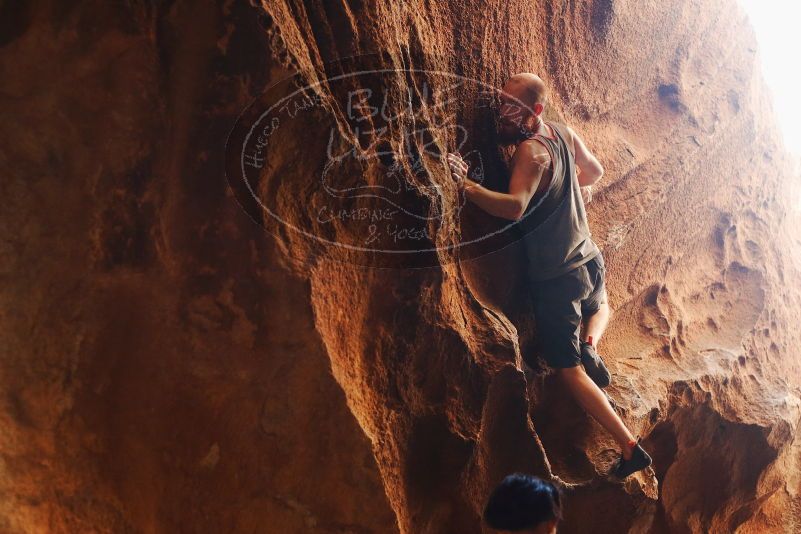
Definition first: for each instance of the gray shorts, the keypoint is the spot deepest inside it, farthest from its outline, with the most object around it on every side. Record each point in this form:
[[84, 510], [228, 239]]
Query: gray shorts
[[559, 305]]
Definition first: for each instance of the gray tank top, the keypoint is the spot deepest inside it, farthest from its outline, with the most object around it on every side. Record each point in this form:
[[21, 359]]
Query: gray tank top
[[556, 236]]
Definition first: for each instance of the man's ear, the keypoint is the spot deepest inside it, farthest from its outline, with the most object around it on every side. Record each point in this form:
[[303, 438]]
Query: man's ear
[[538, 109]]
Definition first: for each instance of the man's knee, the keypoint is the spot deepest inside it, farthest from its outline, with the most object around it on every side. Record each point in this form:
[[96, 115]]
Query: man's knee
[[604, 304], [602, 308]]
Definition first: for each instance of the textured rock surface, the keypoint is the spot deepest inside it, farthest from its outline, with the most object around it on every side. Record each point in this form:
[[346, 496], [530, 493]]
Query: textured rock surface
[[169, 366]]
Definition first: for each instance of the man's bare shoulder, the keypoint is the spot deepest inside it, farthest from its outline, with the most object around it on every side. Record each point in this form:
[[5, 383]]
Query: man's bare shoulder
[[569, 133], [563, 125], [531, 152], [531, 147]]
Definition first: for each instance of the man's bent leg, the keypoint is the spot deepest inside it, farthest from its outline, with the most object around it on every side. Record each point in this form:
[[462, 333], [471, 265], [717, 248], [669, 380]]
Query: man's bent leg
[[595, 324], [592, 399], [595, 309]]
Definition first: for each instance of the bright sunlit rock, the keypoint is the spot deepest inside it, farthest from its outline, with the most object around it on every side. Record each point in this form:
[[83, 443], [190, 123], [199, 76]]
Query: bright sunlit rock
[[778, 35]]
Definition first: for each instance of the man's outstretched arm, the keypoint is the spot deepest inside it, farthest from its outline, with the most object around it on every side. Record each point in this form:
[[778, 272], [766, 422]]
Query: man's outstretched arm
[[528, 165]]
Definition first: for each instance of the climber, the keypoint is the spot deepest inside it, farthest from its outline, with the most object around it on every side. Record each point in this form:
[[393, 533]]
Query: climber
[[566, 268], [524, 503]]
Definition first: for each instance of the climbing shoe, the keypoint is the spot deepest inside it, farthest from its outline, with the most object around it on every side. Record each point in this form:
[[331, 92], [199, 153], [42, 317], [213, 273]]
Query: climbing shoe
[[639, 460], [594, 365]]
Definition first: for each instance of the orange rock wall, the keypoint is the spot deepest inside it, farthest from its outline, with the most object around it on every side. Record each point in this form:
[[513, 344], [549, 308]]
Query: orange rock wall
[[171, 365]]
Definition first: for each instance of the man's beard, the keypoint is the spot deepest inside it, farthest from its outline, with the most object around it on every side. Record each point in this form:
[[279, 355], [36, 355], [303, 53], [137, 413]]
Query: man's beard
[[512, 135]]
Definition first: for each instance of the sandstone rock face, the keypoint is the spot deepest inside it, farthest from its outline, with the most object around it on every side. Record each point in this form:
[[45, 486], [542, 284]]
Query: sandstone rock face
[[181, 353]]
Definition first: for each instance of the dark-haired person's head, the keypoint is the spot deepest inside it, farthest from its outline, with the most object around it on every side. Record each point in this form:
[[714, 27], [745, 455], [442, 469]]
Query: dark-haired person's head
[[524, 503]]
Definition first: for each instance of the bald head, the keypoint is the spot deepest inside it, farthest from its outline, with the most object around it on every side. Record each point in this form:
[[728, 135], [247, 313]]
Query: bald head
[[527, 87], [522, 101]]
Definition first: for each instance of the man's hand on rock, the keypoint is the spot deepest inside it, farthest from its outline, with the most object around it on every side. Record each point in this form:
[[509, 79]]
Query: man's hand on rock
[[458, 168]]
